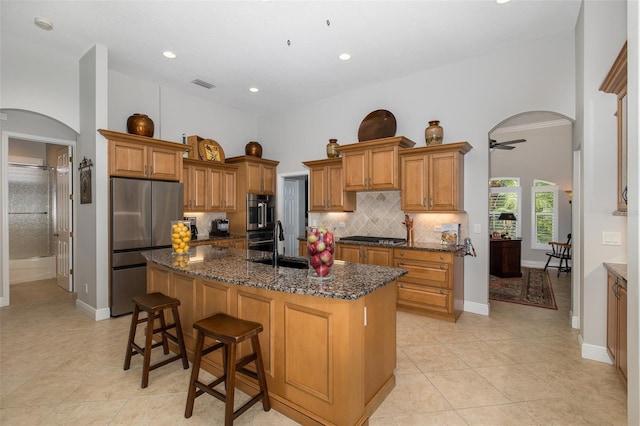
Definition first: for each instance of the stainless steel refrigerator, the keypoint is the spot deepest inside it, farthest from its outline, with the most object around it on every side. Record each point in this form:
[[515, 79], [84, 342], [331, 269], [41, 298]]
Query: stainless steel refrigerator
[[141, 215]]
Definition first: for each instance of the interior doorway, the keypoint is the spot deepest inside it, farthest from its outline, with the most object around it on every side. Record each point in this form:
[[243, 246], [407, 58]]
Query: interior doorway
[[531, 149], [294, 208]]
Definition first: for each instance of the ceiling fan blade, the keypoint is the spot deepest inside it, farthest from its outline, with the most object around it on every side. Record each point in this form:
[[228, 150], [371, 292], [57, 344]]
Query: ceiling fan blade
[[500, 146], [512, 142]]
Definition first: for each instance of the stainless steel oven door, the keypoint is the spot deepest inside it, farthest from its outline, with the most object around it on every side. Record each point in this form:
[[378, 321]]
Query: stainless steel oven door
[[261, 240], [260, 211]]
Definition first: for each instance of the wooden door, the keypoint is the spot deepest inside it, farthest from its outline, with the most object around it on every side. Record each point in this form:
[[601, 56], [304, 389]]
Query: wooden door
[[317, 189], [187, 183], [383, 168], [443, 182], [215, 186], [413, 169], [355, 166], [268, 179], [127, 159], [229, 190], [254, 178], [350, 253], [380, 256], [164, 164]]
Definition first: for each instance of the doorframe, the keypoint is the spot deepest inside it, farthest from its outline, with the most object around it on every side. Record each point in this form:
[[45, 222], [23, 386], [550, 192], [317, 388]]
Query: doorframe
[[4, 201], [280, 210]]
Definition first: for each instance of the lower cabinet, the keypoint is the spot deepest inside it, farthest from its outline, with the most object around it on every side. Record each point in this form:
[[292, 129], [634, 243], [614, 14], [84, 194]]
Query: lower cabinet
[[617, 322], [434, 285], [371, 255]]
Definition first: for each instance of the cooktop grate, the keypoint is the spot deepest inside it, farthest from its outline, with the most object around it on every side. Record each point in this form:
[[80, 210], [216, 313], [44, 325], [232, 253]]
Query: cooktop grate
[[369, 239]]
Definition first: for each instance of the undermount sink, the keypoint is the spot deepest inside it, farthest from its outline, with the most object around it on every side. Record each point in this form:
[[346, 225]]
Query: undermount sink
[[284, 262]]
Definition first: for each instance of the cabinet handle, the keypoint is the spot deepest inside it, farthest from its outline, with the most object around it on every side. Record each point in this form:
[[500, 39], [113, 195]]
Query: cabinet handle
[[400, 263], [145, 170], [441, 257], [441, 266], [430, 202], [424, 202], [151, 171], [441, 291], [615, 289]]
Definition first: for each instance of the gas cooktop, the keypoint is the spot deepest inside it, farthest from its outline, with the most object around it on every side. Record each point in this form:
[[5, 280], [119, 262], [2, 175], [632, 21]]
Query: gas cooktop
[[377, 240]]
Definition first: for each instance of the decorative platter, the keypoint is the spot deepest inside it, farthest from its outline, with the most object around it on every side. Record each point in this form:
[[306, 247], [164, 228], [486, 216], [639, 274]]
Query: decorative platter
[[378, 124], [210, 150]]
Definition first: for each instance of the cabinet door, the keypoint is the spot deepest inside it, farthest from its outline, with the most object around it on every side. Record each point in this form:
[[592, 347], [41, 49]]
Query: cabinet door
[[165, 164], [317, 189], [383, 168], [622, 332], [215, 186], [186, 194], [254, 178], [349, 253], [380, 256], [413, 187], [127, 159], [612, 316], [425, 273], [268, 180], [443, 182], [355, 167], [425, 298], [337, 199], [198, 188], [229, 191]]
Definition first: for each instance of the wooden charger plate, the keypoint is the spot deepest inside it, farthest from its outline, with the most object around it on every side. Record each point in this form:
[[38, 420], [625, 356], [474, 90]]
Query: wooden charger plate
[[210, 150], [378, 124]]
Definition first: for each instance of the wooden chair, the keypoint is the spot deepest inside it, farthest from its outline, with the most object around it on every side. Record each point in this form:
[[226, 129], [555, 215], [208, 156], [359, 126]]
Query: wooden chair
[[562, 252], [228, 332]]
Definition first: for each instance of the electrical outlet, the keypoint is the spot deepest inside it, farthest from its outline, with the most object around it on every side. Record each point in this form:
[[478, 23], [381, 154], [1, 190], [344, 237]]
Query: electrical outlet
[[340, 224], [86, 288], [437, 228]]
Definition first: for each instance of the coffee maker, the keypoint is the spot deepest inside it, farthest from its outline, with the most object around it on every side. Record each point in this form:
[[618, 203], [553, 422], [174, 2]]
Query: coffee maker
[[194, 228], [219, 228]]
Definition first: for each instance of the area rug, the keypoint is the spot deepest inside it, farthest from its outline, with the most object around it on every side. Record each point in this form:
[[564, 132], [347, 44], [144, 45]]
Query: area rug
[[533, 289]]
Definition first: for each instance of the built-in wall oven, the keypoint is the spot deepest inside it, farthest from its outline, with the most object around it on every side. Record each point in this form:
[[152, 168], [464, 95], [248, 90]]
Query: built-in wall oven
[[261, 217]]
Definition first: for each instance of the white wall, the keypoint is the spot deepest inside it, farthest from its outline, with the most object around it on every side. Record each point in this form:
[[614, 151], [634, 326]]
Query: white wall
[[469, 97]]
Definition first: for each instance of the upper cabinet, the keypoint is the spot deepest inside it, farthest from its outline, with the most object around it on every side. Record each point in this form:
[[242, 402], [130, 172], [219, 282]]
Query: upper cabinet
[[432, 178], [142, 157], [616, 83], [326, 187], [373, 165], [258, 176], [209, 186]]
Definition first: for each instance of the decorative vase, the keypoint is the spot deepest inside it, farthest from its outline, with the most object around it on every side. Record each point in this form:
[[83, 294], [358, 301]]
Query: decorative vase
[[180, 236], [320, 251], [433, 133], [332, 149], [253, 149], [140, 124]]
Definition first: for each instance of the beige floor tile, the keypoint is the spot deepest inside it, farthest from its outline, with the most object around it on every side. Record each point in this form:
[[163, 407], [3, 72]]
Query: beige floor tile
[[412, 394], [404, 365], [25, 415], [434, 358], [518, 383], [571, 411], [479, 354], [466, 388], [412, 335], [166, 409], [87, 413], [497, 415], [444, 418]]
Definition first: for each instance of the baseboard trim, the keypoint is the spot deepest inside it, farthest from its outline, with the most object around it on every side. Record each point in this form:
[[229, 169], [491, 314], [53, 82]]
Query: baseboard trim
[[476, 308], [594, 352], [575, 321], [93, 313]]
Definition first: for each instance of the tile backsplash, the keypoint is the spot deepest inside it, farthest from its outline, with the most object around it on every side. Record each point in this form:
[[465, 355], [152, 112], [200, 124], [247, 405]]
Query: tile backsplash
[[378, 214]]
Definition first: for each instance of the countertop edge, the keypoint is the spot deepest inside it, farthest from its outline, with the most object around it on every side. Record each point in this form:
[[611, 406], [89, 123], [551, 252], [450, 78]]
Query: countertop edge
[[618, 269]]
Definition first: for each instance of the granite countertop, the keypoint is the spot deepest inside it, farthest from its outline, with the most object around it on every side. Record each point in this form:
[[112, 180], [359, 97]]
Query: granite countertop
[[424, 246], [619, 269], [216, 237], [351, 281]]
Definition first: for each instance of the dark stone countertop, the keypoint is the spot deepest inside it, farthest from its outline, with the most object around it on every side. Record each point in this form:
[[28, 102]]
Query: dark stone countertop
[[205, 238], [350, 281], [423, 246], [619, 269]]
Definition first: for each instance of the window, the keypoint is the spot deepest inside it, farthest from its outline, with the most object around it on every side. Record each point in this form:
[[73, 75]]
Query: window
[[544, 217], [504, 197]]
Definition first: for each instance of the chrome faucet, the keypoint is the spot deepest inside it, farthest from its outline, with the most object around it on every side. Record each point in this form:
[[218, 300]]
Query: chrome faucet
[[277, 236]]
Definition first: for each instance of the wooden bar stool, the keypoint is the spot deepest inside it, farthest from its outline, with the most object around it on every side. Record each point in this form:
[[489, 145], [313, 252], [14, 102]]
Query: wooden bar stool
[[154, 304], [228, 331]]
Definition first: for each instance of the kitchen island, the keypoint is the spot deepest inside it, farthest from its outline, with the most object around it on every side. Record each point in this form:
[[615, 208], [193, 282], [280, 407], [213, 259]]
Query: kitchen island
[[329, 345]]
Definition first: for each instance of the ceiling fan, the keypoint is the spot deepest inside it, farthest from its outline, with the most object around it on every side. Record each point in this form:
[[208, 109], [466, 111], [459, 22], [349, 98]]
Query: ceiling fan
[[504, 145]]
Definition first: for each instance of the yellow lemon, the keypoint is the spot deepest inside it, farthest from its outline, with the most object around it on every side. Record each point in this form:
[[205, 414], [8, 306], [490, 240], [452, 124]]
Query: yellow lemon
[[182, 244], [186, 239], [179, 250], [186, 247], [175, 235]]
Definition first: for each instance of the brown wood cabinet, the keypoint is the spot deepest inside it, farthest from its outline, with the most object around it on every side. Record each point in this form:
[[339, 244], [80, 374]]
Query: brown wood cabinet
[[209, 186], [432, 178], [372, 165], [505, 258], [328, 361], [326, 187], [617, 322], [142, 157], [434, 285], [254, 176], [258, 175], [371, 255]]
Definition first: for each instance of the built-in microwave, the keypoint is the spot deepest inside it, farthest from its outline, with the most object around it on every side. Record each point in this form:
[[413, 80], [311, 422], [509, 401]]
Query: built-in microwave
[[261, 211]]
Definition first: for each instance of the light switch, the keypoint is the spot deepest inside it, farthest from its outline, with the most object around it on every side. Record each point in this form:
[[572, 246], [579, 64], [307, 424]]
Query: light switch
[[477, 228], [611, 238]]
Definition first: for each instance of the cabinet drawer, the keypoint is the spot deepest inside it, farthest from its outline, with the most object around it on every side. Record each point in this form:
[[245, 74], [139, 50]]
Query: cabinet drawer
[[427, 256], [424, 273], [436, 300]]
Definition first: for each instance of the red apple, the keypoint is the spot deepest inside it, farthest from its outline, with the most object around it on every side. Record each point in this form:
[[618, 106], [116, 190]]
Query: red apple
[[322, 270], [322, 230], [315, 261], [325, 256], [312, 237], [311, 248], [320, 246], [328, 238]]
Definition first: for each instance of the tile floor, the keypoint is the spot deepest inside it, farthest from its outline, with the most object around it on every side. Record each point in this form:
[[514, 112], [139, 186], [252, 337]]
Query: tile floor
[[519, 366]]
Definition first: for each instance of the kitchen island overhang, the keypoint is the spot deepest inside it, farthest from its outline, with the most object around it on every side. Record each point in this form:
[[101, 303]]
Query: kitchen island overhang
[[329, 346]]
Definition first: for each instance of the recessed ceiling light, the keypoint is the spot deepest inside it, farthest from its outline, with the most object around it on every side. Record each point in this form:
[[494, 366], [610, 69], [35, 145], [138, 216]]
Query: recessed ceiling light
[[43, 23], [502, 1], [169, 54], [345, 56], [254, 89]]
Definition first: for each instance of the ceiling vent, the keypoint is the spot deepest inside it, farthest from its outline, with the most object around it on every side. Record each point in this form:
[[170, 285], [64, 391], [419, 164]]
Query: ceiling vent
[[203, 83]]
